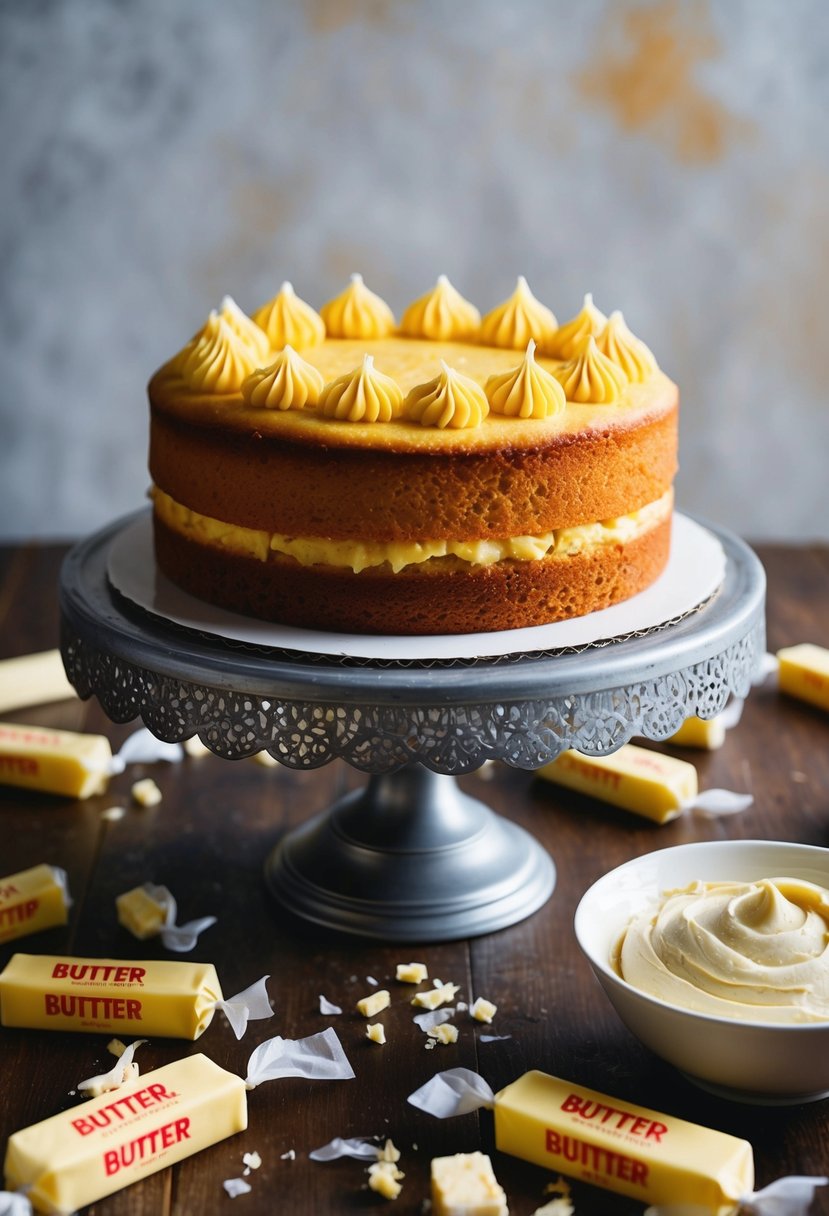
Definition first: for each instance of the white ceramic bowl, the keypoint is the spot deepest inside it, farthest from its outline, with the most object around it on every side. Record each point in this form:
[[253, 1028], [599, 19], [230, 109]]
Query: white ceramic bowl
[[750, 1061]]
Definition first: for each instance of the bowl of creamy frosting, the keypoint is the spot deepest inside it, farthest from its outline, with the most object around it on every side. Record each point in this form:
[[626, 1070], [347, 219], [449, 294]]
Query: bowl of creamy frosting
[[716, 955]]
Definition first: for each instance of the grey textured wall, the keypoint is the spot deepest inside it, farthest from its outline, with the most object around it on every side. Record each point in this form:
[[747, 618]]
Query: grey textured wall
[[670, 156]]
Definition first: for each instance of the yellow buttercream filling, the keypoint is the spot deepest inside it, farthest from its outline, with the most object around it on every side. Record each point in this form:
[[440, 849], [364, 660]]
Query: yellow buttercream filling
[[357, 556]]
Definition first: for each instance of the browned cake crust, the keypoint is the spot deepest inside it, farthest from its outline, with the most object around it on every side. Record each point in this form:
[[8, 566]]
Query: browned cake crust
[[437, 598], [276, 484]]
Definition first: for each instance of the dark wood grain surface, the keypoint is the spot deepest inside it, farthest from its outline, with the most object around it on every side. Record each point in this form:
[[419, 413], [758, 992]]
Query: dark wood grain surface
[[207, 840]]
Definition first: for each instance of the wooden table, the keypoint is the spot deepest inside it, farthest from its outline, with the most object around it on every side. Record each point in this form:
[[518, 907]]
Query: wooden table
[[207, 840]]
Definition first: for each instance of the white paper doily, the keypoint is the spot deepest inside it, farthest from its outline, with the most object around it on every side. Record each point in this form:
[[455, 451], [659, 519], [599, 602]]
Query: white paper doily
[[695, 570]]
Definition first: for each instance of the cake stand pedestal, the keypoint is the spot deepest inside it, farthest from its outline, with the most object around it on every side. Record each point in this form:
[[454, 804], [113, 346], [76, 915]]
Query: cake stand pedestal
[[410, 857]]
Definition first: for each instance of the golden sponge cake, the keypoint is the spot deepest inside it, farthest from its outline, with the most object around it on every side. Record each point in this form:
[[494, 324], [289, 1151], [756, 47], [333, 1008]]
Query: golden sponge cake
[[449, 475]]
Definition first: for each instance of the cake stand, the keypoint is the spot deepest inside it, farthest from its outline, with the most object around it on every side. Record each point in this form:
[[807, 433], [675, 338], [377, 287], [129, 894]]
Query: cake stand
[[410, 857]]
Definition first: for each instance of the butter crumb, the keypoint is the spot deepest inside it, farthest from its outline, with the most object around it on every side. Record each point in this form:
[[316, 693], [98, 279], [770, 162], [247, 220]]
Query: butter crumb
[[146, 793], [116, 1048], [443, 994], [384, 1178], [483, 1010], [289, 1156], [369, 1005], [411, 973], [251, 1161], [376, 1032], [445, 1033], [556, 1207], [389, 1152], [113, 813]]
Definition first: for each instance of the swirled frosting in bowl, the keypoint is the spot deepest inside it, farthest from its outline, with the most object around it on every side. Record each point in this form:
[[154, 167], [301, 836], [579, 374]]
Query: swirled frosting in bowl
[[752, 951]]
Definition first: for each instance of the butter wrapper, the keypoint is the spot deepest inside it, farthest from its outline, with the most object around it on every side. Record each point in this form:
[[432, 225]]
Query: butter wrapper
[[55, 761], [117, 1138], [628, 1149], [648, 783], [91, 1150], [33, 900], [804, 673], [654, 1158], [109, 996]]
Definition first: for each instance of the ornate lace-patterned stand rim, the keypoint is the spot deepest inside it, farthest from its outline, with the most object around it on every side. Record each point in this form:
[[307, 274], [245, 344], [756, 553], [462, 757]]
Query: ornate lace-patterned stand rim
[[430, 863]]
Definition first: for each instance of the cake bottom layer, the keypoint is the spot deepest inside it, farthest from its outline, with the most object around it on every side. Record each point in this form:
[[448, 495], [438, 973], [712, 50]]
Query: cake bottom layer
[[445, 599]]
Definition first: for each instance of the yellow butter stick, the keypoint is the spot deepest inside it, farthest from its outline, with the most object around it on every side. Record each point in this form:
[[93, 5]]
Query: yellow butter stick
[[704, 733], [100, 1146], [648, 1156], [109, 996], [32, 900], [633, 778], [33, 679], [55, 761], [804, 673]]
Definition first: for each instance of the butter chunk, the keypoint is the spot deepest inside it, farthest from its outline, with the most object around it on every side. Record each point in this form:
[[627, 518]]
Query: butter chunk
[[94, 1149], [146, 792], [708, 734], [33, 679], [444, 1033], [435, 997], [483, 1010], [411, 973], [369, 1005], [32, 900], [376, 1032], [54, 761], [384, 1178], [651, 1157], [633, 778], [804, 673], [140, 914], [465, 1185]]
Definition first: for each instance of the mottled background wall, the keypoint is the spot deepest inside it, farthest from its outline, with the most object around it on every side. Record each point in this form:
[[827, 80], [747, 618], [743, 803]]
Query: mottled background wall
[[670, 156]]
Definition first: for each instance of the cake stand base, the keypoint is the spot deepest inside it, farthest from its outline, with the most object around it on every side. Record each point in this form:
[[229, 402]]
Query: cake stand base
[[411, 858]]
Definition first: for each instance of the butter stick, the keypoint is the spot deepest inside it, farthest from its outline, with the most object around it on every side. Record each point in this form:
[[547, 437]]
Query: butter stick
[[91, 1150], [32, 900], [109, 996], [33, 679], [648, 1156], [633, 778], [804, 673], [705, 733], [55, 761]]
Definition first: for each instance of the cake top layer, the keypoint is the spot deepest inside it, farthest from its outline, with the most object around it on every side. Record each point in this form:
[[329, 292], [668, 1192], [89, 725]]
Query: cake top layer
[[444, 379]]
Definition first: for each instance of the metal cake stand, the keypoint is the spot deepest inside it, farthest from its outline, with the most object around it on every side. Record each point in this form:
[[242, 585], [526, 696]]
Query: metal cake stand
[[410, 857]]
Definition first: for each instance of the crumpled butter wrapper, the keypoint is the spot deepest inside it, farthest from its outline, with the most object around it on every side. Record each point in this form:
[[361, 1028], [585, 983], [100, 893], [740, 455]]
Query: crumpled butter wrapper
[[320, 1057]]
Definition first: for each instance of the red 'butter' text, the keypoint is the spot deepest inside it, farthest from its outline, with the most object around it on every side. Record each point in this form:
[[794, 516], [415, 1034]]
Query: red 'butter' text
[[594, 1157], [24, 766], [146, 1146], [107, 1008], [14, 915], [619, 1120], [117, 974], [122, 1108]]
